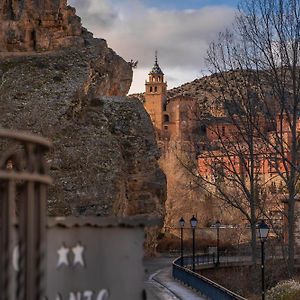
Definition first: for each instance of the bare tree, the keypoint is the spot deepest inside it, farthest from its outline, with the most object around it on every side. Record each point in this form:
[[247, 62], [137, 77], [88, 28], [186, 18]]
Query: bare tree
[[234, 154], [264, 45]]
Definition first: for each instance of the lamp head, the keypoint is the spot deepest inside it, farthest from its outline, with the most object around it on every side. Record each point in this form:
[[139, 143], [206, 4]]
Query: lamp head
[[193, 222], [181, 222], [263, 230], [218, 224]]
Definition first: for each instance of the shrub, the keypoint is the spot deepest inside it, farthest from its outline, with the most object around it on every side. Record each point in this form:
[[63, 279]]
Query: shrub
[[285, 290]]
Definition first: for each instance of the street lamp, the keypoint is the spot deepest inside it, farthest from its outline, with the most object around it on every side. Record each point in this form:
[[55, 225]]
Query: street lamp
[[181, 223], [193, 222], [218, 225], [263, 231]]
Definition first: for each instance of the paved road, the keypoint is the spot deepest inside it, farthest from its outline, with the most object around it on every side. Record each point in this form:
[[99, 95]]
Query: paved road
[[160, 284], [156, 291]]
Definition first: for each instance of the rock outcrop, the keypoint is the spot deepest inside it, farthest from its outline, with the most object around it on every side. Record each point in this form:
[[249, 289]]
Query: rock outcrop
[[104, 159], [39, 25]]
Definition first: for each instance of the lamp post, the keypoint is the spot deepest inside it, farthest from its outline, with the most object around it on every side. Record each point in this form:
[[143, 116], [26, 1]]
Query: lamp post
[[181, 223], [263, 231], [218, 225], [193, 222]]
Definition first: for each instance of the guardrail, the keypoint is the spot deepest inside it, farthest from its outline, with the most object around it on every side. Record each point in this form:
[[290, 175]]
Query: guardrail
[[182, 269], [200, 283]]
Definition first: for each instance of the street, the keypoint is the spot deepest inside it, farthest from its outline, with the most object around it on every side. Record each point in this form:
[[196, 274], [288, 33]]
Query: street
[[155, 291], [159, 283]]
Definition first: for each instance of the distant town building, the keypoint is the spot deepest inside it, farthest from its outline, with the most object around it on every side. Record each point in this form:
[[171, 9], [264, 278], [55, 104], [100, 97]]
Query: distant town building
[[178, 120], [175, 118]]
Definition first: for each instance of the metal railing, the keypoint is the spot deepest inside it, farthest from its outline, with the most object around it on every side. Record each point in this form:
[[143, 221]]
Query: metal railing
[[182, 269], [200, 259], [23, 199], [200, 283]]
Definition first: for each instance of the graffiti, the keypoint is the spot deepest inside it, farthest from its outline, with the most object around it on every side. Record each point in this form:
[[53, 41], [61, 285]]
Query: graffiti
[[86, 295]]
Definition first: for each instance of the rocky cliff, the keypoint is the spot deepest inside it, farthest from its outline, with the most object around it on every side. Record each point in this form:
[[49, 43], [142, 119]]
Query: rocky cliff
[[38, 25], [104, 159]]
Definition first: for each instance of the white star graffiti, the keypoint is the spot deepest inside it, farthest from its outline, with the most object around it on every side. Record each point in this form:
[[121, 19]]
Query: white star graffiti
[[15, 258], [62, 256], [78, 255], [58, 297]]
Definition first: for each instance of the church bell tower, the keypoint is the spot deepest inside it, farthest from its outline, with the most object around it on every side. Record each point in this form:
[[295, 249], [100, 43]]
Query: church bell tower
[[155, 96]]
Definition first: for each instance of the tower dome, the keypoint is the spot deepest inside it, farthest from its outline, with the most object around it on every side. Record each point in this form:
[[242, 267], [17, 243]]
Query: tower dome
[[156, 70]]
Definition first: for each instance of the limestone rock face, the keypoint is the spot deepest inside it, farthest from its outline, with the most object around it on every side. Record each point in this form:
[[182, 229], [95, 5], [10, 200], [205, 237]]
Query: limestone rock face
[[70, 87], [38, 25], [104, 159]]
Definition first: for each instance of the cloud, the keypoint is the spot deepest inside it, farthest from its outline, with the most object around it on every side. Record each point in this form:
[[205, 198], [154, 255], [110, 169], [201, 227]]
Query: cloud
[[135, 31], [96, 13]]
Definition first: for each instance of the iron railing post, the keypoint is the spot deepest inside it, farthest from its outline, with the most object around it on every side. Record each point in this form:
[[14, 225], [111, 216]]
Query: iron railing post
[[23, 184], [218, 242], [193, 230], [262, 270], [181, 246]]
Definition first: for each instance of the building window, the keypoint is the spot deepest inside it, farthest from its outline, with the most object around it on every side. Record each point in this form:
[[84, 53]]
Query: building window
[[166, 119], [166, 127], [151, 89], [223, 130], [155, 89], [203, 129], [165, 106]]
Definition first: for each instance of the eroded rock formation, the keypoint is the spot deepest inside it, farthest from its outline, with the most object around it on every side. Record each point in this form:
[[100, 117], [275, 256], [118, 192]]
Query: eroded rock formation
[[38, 25], [104, 159]]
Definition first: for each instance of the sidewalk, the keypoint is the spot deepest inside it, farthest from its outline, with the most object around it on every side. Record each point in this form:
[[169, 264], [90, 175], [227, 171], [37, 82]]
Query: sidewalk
[[172, 289]]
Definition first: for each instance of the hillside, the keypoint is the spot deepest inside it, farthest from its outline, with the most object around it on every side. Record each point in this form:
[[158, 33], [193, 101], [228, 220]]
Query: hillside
[[207, 90], [215, 92]]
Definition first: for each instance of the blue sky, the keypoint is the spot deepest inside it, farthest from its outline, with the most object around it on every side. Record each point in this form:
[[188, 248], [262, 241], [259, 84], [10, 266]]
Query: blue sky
[[181, 31], [188, 4]]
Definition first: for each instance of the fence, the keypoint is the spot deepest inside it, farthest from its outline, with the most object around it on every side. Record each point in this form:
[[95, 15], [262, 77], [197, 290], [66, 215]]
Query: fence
[[200, 283], [182, 269], [23, 186]]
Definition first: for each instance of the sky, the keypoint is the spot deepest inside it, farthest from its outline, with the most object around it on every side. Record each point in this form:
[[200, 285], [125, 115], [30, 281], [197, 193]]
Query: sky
[[180, 30]]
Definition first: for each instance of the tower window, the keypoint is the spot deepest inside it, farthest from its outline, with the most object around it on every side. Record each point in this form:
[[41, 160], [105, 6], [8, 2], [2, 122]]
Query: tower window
[[165, 106], [158, 79], [151, 89], [155, 89], [166, 119]]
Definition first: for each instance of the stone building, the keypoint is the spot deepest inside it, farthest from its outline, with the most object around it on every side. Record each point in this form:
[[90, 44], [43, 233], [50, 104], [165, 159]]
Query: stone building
[[174, 118], [180, 126], [222, 144], [175, 123], [155, 97]]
